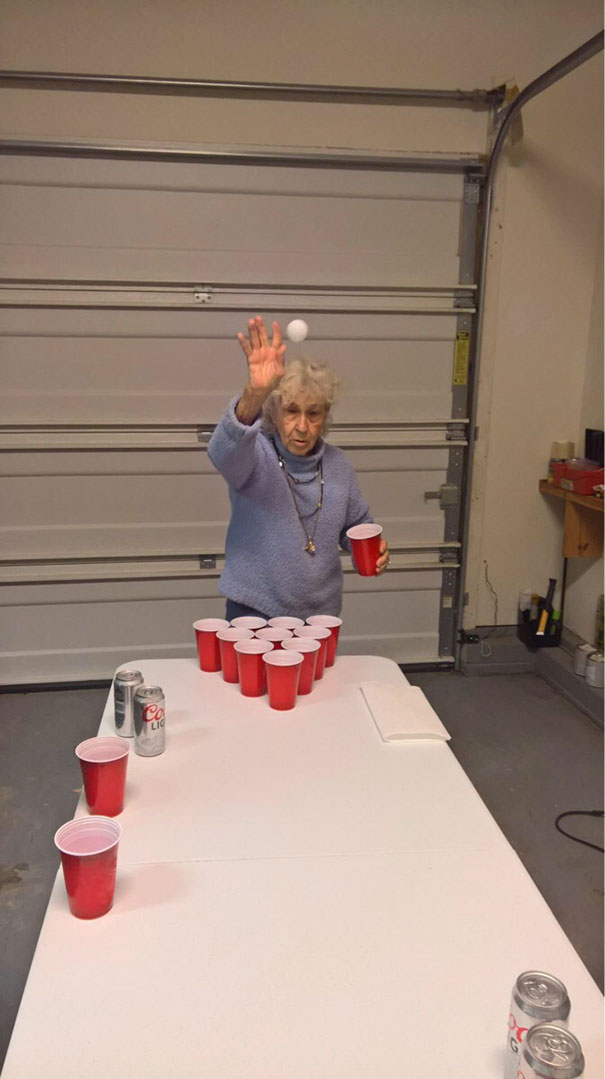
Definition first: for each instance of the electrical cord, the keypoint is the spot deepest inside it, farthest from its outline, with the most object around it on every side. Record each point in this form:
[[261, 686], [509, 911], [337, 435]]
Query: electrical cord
[[580, 813]]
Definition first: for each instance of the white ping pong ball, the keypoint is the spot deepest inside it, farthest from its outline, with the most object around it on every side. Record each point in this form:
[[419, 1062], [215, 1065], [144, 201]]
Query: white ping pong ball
[[297, 330]]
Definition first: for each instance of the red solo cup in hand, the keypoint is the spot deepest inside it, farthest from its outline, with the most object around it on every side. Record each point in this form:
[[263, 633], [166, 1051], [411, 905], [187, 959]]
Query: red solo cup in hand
[[89, 854], [103, 762], [250, 666], [333, 623], [249, 621], [226, 641], [283, 675], [286, 621], [309, 649], [365, 547], [208, 649], [321, 634], [273, 634]]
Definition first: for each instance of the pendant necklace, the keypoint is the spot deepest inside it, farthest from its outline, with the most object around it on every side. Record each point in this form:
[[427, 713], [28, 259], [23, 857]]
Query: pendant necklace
[[292, 481]]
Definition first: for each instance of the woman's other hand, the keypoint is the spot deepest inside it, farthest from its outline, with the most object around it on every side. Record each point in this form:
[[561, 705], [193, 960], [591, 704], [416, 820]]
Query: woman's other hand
[[383, 559], [265, 361]]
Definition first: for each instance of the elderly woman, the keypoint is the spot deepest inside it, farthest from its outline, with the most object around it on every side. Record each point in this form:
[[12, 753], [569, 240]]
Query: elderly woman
[[293, 496]]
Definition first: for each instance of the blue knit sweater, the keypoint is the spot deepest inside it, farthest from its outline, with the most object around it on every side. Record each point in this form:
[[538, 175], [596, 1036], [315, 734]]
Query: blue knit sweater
[[266, 564]]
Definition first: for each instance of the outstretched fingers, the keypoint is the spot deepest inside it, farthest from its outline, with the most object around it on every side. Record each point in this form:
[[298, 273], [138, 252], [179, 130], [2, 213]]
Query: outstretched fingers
[[245, 344], [254, 333], [262, 333]]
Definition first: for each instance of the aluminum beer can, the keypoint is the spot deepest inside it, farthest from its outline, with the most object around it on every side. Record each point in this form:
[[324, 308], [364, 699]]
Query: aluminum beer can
[[149, 721], [536, 998], [549, 1052], [124, 685]]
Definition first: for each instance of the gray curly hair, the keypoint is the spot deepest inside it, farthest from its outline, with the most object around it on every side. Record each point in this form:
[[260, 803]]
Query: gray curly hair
[[303, 375]]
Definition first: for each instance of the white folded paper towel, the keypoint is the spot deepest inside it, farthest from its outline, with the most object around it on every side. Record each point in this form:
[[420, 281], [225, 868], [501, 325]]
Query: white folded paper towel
[[402, 712]]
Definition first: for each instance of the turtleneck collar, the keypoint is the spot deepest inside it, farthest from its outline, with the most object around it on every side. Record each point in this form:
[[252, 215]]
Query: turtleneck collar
[[300, 465]]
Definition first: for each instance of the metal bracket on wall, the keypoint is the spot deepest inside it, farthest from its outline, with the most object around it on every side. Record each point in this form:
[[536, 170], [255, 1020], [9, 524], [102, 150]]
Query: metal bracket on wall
[[207, 561], [204, 434]]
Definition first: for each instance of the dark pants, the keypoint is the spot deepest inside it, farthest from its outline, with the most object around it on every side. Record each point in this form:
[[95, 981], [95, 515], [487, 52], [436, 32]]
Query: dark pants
[[238, 610]]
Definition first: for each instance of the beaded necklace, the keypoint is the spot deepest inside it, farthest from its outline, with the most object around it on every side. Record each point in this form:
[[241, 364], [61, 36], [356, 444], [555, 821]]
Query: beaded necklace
[[292, 484]]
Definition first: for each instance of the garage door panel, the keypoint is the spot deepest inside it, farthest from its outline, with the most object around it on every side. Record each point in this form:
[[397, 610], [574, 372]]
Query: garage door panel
[[375, 461], [396, 623], [110, 463], [155, 513], [164, 325], [140, 500], [157, 620], [101, 540], [194, 461], [218, 221], [200, 408], [61, 262], [126, 620], [189, 381], [107, 463], [33, 172]]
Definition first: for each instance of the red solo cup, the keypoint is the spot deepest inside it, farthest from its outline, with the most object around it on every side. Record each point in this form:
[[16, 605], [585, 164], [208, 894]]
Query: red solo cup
[[321, 634], [103, 763], [249, 621], [89, 853], [285, 621], [208, 649], [283, 675], [250, 666], [331, 622], [226, 640], [310, 649], [273, 634], [365, 547]]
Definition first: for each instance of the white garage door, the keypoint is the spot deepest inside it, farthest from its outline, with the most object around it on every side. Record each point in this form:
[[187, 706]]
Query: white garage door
[[123, 286]]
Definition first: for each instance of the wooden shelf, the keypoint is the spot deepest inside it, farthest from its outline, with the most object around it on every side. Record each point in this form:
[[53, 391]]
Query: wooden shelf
[[583, 523]]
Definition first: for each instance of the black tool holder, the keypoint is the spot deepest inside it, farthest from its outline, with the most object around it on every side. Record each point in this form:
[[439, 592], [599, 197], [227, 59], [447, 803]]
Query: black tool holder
[[526, 632]]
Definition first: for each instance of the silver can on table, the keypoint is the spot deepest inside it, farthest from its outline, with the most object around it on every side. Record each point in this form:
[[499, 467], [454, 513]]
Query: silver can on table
[[537, 998], [549, 1052], [124, 685], [149, 721]]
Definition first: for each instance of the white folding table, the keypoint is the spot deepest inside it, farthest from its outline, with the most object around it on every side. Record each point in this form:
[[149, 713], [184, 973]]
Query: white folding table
[[296, 899]]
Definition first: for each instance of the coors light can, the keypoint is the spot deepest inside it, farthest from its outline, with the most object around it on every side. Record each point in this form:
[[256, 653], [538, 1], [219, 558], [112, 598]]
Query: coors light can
[[149, 721], [537, 998], [549, 1052], [124, 685]]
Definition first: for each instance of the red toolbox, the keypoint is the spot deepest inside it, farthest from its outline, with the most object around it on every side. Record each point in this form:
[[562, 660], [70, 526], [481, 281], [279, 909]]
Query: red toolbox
[[577, 475]]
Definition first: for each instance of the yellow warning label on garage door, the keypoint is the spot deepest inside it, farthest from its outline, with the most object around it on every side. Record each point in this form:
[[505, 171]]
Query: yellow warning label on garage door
[[461, 359]]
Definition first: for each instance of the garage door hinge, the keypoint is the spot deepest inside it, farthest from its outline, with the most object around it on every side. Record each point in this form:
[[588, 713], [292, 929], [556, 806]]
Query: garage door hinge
[[464, 298], [455, 432], [207, 561], [204, 434], [202, 294], [448, 556], [448, 495]]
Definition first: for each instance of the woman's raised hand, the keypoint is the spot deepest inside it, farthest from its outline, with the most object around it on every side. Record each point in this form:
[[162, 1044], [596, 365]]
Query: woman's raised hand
[[265, 361]]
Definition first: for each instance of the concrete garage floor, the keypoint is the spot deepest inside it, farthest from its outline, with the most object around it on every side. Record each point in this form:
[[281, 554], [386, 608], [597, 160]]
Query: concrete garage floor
[[529, 752]]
